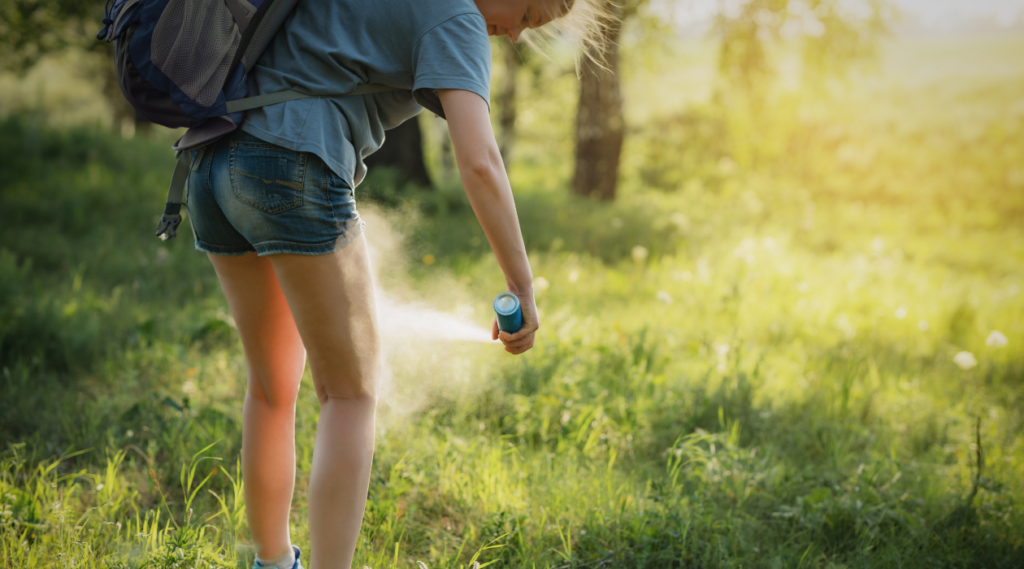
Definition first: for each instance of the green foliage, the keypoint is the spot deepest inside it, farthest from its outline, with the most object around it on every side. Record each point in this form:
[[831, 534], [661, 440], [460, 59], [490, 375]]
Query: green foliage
[[36, 328], [30, 29], [694, 146]]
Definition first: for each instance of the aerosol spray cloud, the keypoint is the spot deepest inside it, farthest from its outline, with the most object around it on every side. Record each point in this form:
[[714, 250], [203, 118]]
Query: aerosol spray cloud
[[429, 354]]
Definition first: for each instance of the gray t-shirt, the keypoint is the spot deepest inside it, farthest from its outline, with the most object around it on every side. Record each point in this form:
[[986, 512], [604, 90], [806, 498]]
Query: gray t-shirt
[[329, 46]]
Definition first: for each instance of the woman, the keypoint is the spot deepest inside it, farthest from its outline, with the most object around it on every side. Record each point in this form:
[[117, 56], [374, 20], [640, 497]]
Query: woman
[[282, 188]]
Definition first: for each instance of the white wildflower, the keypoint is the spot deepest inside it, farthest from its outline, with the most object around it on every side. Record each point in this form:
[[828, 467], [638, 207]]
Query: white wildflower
[[664, 297], [640, 253], [574, 276], [901, 313], [541, 284], [965, 360], [723, 356], [922, 325], [996, 339], [703, 270]]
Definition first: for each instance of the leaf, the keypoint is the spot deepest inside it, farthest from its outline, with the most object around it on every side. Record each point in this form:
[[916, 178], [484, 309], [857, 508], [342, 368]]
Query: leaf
[[818, 496]]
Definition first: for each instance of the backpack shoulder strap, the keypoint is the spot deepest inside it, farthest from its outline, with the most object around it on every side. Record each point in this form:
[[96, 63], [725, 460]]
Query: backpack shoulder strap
[[259, 30]]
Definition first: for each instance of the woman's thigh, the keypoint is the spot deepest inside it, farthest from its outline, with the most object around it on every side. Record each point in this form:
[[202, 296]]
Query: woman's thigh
[[274, 353], [332, 300]]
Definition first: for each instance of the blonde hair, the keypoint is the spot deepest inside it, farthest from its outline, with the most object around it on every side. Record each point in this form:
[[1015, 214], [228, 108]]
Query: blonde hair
[[587, 22]]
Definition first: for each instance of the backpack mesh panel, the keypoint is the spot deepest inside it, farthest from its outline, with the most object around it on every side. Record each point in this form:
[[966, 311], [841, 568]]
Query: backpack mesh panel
[[193, 44]]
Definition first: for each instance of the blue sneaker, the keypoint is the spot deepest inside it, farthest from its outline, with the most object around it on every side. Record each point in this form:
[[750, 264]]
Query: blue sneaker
[[297, 565]]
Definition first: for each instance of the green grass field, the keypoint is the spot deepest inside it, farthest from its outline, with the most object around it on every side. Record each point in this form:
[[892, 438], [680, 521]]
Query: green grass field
[[794, 341]]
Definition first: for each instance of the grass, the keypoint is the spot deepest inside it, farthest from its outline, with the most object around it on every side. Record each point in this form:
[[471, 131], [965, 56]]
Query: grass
[[750, 362]]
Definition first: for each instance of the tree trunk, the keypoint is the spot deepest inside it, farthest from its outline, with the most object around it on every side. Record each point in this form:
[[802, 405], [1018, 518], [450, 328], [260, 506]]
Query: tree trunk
[[507, 103], [403, 150], [599, 125], [447, 154]]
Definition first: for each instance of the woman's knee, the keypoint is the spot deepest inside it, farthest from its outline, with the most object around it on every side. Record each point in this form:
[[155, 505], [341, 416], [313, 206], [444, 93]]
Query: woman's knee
[[346, 388], [358, 393], [346, 382], [274, 393], [351, 371]]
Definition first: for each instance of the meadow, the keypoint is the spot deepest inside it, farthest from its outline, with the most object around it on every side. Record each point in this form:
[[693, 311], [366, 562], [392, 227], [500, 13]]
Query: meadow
[[795, 340]]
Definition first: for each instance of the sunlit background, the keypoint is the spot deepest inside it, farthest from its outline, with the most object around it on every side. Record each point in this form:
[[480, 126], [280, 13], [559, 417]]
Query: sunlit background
[[930, 16], [786, 331]]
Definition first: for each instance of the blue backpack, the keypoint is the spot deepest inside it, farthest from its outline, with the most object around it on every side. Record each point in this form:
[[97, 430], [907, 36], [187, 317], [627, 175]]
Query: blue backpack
[[185, 63]]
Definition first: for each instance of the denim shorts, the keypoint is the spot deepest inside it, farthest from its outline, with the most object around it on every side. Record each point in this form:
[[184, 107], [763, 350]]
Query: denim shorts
[[246, 195]]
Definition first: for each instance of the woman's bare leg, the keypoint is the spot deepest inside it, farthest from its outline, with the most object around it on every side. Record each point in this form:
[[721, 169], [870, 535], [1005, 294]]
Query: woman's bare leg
[[331, 298], [274, 358]]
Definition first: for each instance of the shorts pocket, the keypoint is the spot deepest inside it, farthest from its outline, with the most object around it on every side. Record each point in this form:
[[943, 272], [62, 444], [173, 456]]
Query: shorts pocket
[[267, 177]]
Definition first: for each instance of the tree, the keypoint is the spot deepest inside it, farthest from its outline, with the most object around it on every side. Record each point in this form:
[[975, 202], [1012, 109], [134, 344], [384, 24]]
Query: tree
[[600, 128], [506, 100]]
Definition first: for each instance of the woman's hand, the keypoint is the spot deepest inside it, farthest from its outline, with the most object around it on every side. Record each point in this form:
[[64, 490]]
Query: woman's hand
[[486, 184], [523, 339]]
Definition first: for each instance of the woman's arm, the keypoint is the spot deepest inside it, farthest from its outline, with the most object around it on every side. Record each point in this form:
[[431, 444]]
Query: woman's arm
[[486, 184]]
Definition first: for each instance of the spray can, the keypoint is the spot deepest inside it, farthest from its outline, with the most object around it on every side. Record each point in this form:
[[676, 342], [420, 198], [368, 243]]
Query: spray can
[[510, 314]]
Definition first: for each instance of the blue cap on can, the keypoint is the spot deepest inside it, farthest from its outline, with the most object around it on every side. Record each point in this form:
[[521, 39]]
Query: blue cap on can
[[510, 314]]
